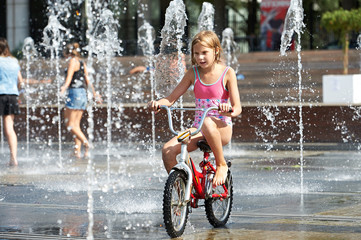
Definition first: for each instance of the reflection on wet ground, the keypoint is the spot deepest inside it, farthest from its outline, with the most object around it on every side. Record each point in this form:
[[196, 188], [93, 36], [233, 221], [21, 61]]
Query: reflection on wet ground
[[43, 199]]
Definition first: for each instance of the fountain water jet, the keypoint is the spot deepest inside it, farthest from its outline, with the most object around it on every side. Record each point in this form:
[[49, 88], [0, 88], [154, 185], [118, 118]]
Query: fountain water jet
[[29, 52], [167, 75], [105, 45], [206, 17], [90, 19], [169, 66], [294, 24], [230, 48], [146, 38], [54, 35], [90, 130]]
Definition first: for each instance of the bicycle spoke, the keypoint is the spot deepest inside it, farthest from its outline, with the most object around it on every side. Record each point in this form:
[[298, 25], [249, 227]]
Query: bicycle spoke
[[177, 204], [220, 206]]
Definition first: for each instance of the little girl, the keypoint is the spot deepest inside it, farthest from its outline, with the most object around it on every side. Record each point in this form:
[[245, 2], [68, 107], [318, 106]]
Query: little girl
[[76, 83], [214, 85]]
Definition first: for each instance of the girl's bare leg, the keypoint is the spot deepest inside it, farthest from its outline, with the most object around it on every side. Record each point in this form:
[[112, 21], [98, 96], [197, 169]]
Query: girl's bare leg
[[217, 134], [11, 137], [172, 148], [73, 118]]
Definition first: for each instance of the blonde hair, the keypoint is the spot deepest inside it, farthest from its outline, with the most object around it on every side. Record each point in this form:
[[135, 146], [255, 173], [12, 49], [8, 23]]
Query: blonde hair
[[208, 39], [4, 48], [72, 49]]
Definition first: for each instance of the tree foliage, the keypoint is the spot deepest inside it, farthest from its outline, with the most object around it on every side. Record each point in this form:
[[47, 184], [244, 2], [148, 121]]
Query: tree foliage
[[343, 22]]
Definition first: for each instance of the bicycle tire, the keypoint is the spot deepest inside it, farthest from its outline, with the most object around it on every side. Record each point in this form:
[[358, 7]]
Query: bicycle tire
[[175, 212], [218, 210]]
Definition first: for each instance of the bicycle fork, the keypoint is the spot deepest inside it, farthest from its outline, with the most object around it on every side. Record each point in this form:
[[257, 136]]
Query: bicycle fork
[[181, 165]]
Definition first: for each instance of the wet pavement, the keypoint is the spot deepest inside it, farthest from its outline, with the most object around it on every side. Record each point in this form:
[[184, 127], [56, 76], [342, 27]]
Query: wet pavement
[[118, 194]]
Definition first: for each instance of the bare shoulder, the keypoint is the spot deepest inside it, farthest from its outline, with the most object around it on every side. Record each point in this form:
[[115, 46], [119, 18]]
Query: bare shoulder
[[73, 60], [230, 76], [231, 72]]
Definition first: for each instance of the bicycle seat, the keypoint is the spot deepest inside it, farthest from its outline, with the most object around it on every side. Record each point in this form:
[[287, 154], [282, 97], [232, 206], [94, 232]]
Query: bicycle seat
[[203, 146]]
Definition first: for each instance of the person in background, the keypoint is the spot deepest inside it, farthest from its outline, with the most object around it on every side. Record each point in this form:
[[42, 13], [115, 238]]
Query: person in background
[[10, 82], [76, 83]]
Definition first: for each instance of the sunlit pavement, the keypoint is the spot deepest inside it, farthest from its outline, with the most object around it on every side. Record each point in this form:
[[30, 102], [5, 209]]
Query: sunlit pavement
[[52, 196]]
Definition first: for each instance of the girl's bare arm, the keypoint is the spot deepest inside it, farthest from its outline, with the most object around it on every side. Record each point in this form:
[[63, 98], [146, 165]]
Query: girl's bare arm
[[232, 87], [20, 80], [179, 90], [97, 96]]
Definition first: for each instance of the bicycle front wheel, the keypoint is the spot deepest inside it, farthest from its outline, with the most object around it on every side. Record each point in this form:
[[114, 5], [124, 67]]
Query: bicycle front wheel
[[219, 209], [175, 210]]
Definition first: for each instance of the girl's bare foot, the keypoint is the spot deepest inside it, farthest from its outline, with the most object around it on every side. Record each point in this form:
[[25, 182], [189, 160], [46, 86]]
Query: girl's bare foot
[[87, 147], [77, 154], [13, 163], [86, 152], [221, 175]]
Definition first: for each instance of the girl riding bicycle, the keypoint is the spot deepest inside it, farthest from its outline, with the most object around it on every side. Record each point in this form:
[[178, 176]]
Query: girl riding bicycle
[[214, 85]]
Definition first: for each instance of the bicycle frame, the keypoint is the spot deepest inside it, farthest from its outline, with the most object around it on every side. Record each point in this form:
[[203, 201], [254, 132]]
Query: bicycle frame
[[185, 163]]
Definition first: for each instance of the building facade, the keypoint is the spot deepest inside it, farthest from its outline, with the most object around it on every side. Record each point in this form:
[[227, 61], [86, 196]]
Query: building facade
[[23, 18], [14, 21]]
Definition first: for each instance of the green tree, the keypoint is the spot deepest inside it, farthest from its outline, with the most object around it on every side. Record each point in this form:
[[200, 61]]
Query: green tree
[[342, 22]]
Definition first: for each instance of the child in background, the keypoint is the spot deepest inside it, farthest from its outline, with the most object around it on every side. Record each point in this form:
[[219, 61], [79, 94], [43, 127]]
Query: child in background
[[10, 82], [76, 83]]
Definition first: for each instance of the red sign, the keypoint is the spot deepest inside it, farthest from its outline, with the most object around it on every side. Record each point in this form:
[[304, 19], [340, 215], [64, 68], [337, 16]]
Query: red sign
[[273, 13]]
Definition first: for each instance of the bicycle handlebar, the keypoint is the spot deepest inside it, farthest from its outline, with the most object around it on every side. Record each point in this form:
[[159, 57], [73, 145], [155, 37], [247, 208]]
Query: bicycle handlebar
[[170, 120]]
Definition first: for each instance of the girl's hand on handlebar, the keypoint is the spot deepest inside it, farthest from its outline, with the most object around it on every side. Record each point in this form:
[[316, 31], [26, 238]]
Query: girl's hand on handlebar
[[154, 106], [225, 109]]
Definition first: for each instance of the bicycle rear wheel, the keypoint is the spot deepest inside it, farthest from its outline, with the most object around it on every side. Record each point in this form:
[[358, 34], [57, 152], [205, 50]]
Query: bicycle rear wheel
[[218, 209], [175, 210]]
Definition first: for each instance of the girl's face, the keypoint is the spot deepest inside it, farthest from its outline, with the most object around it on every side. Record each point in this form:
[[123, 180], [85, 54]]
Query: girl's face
[[204, 56]]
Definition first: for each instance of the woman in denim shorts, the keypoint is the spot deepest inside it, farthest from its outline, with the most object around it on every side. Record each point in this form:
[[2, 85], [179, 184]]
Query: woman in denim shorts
[[76, 82]]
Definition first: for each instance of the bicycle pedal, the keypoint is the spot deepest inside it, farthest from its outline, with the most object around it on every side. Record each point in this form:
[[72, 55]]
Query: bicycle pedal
[[229, 163], [190, 209]]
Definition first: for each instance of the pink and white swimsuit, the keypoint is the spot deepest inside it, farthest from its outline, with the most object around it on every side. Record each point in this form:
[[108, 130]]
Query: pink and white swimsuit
[[209, 95]]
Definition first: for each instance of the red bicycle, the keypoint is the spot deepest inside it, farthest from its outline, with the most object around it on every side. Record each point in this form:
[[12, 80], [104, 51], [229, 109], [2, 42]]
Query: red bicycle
[[186, 185]]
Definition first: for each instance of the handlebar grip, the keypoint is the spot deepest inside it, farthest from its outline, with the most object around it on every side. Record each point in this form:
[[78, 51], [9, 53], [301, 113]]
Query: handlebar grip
[[230, 109]]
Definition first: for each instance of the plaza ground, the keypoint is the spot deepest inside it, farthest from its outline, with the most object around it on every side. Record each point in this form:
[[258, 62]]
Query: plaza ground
[[273, 199]]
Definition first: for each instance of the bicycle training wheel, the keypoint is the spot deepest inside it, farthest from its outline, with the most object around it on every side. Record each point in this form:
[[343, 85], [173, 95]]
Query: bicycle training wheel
[[218, 209], [175, 210]]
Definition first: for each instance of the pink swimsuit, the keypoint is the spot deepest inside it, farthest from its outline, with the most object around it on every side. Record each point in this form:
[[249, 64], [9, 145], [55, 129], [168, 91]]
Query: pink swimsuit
[[209, 95]]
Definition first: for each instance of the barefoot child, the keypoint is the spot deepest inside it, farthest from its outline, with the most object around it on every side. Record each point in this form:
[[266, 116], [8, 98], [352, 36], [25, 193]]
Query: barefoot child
[[76, 83], [214, 85], [10, 81]]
